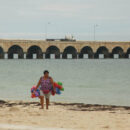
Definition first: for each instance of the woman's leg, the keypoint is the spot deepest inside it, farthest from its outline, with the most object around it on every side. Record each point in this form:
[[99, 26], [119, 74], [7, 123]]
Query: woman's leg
[[42, 102], [47, 96], [47, 103]]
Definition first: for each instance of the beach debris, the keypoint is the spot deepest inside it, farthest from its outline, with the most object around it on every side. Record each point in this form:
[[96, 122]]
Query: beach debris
[[2, 102]]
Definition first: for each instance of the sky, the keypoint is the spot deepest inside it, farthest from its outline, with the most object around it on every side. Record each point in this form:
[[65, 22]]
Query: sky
[[40, 19]]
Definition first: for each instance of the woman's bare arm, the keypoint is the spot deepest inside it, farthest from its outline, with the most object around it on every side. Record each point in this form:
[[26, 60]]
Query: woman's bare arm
[[52, 82], [38, 84]]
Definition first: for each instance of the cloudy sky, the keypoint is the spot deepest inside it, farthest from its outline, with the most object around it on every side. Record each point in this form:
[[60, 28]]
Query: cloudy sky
[[33, 19]]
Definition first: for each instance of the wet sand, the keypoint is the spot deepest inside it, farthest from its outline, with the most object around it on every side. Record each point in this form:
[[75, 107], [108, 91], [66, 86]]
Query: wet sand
[[63, 116]]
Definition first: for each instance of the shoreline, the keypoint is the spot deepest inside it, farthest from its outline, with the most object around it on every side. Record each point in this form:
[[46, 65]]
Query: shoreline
[[63, 116], [12, 103]]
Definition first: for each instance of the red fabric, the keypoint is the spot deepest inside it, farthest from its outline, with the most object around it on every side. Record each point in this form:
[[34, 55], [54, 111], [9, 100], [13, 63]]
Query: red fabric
[[57, 86]]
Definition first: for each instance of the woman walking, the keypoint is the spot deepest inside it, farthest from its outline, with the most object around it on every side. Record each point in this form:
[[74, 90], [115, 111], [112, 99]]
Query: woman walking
[[46, 86]]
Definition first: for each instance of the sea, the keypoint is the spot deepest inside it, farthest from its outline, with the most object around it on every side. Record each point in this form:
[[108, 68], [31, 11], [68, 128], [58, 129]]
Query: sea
[[89, 81]]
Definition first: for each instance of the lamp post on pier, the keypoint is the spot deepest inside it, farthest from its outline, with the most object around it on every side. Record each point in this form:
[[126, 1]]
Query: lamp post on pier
[[95, 26], [46, 29]]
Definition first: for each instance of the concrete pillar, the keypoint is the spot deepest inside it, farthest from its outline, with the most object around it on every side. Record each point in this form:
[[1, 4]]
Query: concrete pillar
[[101, 56], [69, 56], [61, 56], [35, 56], [77, 55], [15, 56], [85, 56], [52, 56], [6, 55], [25, 55], [44, 56]]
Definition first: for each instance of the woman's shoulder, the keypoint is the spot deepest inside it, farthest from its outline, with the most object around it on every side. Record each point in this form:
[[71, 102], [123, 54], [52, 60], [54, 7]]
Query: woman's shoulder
[[50, 77], [41, 77]]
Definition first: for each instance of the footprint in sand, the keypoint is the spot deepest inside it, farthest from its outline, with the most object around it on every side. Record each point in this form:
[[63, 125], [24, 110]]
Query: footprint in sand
[[9, 121], [106, 127], [34, 114], [14, 109]]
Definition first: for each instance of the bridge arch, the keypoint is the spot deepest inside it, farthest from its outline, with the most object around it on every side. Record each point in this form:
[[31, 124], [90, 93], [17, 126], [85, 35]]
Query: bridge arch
[[15, 49], [1, 53], [102, 50], [86, 50], [52, 50], [70, 50], [127, 53], [34, 50], [117, 50]]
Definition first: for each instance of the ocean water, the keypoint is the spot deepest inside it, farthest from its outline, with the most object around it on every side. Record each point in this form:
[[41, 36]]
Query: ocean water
[[85, 81]]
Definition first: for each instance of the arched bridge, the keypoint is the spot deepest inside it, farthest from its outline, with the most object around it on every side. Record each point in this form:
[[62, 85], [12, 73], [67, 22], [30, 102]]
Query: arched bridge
[[29, 49]]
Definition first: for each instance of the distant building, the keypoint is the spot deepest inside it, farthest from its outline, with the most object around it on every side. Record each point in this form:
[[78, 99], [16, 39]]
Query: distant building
[[67, 38]]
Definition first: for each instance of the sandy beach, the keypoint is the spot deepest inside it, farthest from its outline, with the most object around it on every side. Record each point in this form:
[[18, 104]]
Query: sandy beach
[[22, 115]]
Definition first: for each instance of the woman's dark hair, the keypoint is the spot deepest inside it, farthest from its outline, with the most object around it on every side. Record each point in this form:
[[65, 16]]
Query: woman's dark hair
[[46, 71]]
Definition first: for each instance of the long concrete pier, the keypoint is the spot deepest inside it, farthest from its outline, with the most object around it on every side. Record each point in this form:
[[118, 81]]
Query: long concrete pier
[[39, 49]]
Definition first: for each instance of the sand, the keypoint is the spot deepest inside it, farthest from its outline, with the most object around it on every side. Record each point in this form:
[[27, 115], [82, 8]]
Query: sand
[[20, 115]]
